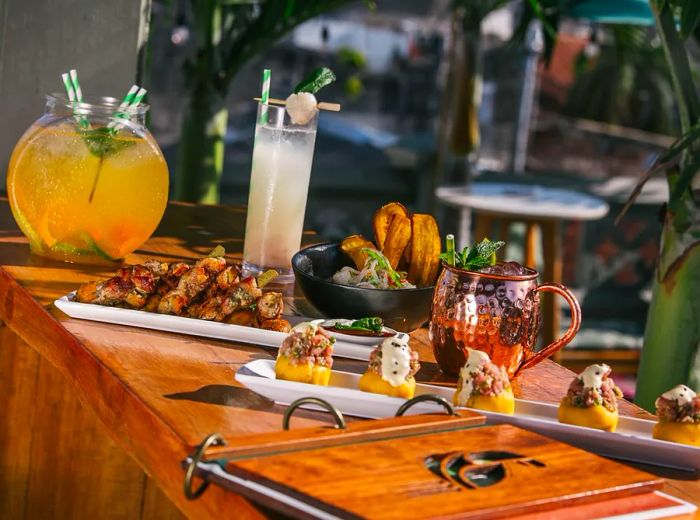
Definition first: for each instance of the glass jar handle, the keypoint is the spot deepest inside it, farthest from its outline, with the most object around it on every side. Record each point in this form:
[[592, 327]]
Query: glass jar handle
[[573, 329]]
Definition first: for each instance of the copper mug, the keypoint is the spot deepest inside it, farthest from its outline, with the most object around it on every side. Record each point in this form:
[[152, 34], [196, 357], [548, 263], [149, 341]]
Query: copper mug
[[498, 314]]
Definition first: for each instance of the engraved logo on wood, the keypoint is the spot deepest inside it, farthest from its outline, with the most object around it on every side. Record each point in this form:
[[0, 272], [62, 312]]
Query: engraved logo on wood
[[478, 469]]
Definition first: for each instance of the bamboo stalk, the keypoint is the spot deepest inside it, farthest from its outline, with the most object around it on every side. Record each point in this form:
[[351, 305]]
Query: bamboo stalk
[[672, 336], [333, 107]]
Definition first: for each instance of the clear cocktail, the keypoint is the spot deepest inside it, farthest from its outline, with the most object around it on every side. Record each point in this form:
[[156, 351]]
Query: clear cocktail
[[279, 184]]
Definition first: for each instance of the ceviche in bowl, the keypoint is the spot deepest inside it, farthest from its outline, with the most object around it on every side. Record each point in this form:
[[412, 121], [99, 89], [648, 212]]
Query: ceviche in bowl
[[376, 273], [391, 276], [315, 267]]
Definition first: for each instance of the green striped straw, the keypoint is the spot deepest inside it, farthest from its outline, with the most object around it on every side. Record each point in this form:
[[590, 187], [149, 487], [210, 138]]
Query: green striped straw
[[74, 94], [139, 97], [68, 86], [119, 114], [265, 96], [132, 99], [76, 85]]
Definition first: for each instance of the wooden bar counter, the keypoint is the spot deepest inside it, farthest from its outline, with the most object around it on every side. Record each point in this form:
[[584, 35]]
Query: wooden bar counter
[[95, 418]]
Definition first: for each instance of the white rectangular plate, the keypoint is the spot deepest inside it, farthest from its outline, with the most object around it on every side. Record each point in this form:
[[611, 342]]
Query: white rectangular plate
[[632, 441], [194, 327]]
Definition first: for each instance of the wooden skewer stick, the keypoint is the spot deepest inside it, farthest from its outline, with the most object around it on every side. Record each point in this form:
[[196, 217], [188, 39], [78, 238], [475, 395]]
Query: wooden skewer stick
[[333, 107]]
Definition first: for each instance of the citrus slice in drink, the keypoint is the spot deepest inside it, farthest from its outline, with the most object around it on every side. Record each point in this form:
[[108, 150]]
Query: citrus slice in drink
[[44, 232]]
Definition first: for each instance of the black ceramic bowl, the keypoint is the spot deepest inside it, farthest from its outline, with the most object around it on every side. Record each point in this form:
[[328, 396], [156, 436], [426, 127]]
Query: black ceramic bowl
[[402, 309]]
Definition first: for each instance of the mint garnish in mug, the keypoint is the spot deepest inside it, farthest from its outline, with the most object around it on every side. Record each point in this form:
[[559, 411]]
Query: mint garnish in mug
[[477, 257], [302, 104]]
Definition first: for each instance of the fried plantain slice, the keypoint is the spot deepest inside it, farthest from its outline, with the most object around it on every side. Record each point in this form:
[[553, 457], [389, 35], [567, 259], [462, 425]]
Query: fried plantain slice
[[382, 220], [353, 245], [425, 250], [397, 238]]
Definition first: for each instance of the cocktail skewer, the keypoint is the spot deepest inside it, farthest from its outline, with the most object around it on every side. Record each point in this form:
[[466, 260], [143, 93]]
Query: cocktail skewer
[[333, 107]]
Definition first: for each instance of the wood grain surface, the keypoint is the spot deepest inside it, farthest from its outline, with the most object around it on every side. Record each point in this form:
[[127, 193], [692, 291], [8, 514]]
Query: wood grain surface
[[537, 478], [155, 394]]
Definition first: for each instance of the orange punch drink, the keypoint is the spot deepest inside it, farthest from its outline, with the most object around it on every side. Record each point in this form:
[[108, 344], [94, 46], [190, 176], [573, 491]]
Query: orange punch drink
[[84, 189]]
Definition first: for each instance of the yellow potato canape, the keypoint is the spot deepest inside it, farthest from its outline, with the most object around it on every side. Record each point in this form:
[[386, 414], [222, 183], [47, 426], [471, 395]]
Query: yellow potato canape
[[484, 385], [678, 411], [306, 355], [391, 368], [596, 416], [591, 400]]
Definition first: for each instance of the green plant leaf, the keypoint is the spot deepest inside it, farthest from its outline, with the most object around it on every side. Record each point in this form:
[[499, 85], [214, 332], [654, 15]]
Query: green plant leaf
[[688, 170], [315, 81], [690, 17]]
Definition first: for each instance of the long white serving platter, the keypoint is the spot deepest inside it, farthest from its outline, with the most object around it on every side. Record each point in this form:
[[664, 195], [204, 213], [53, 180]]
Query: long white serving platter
[[632, 441], [194, 327]]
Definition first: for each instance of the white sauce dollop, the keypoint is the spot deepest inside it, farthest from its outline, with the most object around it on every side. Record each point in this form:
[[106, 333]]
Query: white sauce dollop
[[592, 376], [396, 360], [681, 394], [301, 107], [474, 361]]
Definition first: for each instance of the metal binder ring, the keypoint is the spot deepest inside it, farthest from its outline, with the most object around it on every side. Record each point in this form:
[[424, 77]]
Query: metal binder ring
[[426, 397], [339, 419], [212, 440]]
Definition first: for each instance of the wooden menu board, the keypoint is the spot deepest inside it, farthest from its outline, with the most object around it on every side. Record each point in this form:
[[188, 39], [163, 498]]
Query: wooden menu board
[[455, 470]]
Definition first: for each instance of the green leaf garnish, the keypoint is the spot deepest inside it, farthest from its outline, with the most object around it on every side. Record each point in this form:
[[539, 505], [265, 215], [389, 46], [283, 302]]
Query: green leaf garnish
[[481, 255], [101, 141], [383, 263], [315, 81], [373, 324]]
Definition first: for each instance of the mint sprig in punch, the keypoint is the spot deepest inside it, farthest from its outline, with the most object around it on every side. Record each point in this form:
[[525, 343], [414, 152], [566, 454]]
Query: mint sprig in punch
[[87, 182], [285, 135]]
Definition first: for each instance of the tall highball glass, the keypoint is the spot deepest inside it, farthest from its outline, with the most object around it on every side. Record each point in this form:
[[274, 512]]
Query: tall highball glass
[[279, 184]]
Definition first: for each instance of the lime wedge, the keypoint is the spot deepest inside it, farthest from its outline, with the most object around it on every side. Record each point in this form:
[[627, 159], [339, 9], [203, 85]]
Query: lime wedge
[[92, 248], [27, 229], [97, 250]]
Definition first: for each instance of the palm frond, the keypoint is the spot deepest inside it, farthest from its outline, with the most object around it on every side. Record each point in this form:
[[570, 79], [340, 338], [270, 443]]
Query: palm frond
[[671, 158]]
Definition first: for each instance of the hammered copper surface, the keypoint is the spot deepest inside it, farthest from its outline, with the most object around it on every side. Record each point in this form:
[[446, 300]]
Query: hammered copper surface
[[497, 314]]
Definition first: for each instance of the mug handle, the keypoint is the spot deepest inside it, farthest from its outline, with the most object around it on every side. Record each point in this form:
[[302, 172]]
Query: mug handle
[[568, 335]]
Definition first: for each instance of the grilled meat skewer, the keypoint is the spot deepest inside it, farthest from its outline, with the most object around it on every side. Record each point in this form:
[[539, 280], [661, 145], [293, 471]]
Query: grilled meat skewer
[[276, 324], [209, 290], [240, 295], [223, 282], [269, 306], [130, 286], [191, 285], [167, 283]]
